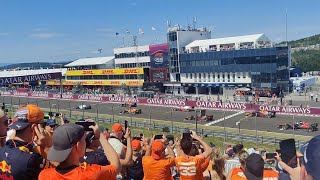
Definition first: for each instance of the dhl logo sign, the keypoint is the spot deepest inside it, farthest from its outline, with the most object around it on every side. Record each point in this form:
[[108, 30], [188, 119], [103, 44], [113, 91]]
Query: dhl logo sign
[[115, 83], [4, 167], [131, 71], [105, 71], [98, 82], [88, 72], [134, 83]]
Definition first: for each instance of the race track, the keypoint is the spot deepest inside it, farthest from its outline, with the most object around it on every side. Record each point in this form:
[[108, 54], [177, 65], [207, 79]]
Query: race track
[[165, 113]]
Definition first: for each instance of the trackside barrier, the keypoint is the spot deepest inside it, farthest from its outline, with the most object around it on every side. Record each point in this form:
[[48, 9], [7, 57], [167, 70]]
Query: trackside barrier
[[202, 132]]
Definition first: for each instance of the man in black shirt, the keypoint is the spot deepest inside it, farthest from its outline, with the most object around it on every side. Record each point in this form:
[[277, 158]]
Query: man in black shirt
[[93, 154]]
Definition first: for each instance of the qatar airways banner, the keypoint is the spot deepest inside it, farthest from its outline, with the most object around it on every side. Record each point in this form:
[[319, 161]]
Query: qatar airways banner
[[29, 78], [232, 106]]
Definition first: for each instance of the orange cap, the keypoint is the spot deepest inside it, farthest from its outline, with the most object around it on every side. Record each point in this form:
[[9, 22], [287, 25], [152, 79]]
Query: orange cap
[[116, 127], [157, 149], [30, 112], [136, 145]]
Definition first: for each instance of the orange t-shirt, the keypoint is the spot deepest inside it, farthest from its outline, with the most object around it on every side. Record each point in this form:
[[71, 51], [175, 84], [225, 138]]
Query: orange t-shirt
[[81, 173], [157, 169], [190, 168], [206, 164], [237, 174]]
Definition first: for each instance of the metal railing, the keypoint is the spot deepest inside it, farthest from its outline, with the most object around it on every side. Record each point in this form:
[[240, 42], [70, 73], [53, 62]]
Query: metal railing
[[203, 132]]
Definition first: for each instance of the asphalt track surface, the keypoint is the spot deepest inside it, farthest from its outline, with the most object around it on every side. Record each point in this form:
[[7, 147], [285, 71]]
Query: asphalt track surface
[[165, 113]]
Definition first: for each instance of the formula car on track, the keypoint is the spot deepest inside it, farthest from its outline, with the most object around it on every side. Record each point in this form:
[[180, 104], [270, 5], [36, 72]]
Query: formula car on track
[[261, 113], [128, 104], [183, 108], [311, 127], [201, 118], [131, 111], [84, 106]]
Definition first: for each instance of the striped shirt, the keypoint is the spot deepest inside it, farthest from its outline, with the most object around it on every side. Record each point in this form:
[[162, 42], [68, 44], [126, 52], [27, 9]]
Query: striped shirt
[[232, 163]]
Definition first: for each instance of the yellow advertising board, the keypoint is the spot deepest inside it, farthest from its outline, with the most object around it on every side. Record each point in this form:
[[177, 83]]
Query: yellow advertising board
[[121, 71], [99, 82]]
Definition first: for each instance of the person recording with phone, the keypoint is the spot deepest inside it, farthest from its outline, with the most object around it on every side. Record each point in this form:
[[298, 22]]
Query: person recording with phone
[[155, 164], [93, 154], [115, 140], [190, 166], [20, 158]]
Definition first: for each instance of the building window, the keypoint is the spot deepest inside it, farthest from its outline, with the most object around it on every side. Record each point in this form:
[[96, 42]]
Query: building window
[[218, 77], [187, 75], [199, 75], [244, 75], [190, 75], [209, 77], [234, 77]]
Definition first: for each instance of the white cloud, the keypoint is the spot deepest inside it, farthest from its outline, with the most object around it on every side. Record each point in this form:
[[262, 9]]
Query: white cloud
[[40, 29], [4, 34], [45, 35]]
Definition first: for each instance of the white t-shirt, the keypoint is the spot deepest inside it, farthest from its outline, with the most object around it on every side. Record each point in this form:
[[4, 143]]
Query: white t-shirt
[[117, 146]]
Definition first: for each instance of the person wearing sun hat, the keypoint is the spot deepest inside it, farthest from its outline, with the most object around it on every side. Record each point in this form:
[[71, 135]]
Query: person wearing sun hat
[[155, 164], [22, 159]]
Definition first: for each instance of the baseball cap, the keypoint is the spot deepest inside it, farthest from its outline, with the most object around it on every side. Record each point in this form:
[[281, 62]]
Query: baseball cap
[[136, 145], [26, 115], [157, 149], [117, 127], [310, 151], [51, 122], [64, 138], [254, 167]]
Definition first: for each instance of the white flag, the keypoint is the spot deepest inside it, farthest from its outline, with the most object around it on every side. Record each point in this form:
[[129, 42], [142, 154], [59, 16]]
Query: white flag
[[153, 28], [141, 31]]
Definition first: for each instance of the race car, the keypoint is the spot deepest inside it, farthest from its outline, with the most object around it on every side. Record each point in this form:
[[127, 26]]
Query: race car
[[261, 113], [311, 127], [183, 108], [202, 118], [131, 111], [128, 104], [84, 106]]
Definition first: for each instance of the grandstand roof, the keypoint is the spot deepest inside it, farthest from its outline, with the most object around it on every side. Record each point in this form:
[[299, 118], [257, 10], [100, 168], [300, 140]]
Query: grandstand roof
[[230, 40], [90, 61]]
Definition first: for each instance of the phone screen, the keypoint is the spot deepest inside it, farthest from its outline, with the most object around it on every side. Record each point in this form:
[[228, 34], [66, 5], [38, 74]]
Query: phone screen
[[86, 125], [271, 155], [288, 150], [160, 136], [125, 125]]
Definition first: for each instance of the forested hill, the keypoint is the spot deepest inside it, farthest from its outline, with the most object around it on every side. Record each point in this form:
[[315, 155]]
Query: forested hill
[[306, 53]]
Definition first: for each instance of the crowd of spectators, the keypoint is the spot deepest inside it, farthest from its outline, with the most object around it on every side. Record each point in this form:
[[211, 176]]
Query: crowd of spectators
[[33, 147]]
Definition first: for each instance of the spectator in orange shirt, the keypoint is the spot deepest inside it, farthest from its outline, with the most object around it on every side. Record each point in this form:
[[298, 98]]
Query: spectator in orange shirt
[[190, 166], [157, 166], [68, 147]]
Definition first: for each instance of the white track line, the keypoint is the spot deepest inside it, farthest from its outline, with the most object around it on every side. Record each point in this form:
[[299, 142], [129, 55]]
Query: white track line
[[222, 119]]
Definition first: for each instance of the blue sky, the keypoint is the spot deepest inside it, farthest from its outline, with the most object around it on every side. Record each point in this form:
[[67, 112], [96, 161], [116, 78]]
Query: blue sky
[[56, 30]]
